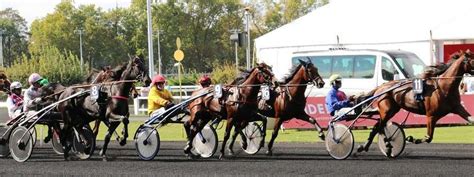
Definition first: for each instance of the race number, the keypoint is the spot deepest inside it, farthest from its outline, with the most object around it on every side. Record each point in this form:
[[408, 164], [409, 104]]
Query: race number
[[265, 92], [218, 91], [94, 92]]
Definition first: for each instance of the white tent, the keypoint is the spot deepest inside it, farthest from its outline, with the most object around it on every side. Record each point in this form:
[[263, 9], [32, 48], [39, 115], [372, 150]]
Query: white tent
[[373, 24]]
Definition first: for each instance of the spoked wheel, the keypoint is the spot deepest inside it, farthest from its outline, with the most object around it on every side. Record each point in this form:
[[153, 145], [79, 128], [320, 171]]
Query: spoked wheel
[[21, 144], [339, 141], [147, 142], [84, 143], [253, 136], [396, 136], [33, 135], [205, 142], [56, 141], [4, 150]]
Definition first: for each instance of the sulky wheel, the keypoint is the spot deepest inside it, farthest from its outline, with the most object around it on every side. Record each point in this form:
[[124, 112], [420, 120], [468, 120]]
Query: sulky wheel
[[147, 142], [84, 143], [33, 135], [396, 136], [56, 141], [21, 144], [205, 142], [339, 141], [253, 135]]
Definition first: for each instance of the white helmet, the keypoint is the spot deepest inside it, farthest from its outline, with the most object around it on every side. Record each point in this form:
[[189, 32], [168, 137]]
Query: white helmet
[[35, 77], [15, 85]]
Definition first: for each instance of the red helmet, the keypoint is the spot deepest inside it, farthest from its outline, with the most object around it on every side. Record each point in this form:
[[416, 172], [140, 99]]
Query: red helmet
[[205, 80], [158, 79]]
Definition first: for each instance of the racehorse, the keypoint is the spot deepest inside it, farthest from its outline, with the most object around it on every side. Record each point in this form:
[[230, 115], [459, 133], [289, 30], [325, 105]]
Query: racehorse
[[110, 74], [241, 103], [77, 112], [440, 97], [289, 101]]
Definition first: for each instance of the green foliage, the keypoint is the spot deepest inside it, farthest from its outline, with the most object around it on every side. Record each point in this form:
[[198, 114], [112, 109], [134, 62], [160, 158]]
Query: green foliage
[[15, 36], [186, 79], [51, 63], [224, 73]]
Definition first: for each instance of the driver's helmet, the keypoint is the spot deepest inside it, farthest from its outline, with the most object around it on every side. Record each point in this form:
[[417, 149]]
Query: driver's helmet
[[15, 85], [35, 77], [334, 78], [158, 79], [205, 80]]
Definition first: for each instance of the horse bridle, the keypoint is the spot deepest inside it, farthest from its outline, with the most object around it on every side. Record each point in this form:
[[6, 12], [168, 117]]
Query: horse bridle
[[312, 77]]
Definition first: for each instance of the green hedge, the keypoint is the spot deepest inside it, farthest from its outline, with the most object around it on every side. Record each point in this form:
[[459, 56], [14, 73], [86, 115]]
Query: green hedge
[[51, 63]]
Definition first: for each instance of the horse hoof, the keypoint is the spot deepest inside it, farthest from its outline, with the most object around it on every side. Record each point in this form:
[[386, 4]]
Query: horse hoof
[[470, 119], [409, 139], [104, 158], [187, 149], [101, 153], [123, 142], [244, 145], [230, 153], [321, 136], [269, 153], [360, 148], [221, 157], [262, 144], [418, 141]]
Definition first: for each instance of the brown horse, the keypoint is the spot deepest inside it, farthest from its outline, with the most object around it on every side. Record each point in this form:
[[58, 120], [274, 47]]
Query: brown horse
[[112, 109], [239, 103], [441, 97]]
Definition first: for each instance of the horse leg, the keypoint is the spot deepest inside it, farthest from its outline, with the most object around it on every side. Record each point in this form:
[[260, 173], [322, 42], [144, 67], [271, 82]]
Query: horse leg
[[307, 118], [113, 126], [228, 129], [96, 128], [123, 141], [430, 126], [237, 131], [461, 111], [276, 128]]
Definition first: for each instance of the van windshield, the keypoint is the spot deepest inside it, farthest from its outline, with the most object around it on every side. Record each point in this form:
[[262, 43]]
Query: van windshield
[[410, 64]]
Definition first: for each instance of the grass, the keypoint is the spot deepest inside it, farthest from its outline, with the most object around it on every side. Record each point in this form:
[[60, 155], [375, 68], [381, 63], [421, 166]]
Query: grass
[[175, 132]]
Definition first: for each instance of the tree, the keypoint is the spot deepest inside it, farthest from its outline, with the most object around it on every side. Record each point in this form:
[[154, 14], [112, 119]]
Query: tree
[[15, 35]]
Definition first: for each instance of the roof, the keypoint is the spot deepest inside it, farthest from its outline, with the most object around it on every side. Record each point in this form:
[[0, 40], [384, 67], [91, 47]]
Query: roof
[[376, 22]]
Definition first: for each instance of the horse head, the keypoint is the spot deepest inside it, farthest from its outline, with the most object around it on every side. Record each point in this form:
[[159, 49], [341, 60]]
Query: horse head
[[265, 74], [311, 73], [138, 70]]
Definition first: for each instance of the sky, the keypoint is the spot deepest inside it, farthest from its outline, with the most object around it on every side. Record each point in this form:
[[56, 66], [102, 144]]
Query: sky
[[34, 9]]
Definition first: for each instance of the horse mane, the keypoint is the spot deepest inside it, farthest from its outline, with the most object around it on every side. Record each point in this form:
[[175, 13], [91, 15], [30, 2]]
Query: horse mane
[[244, 74], [287, 78]]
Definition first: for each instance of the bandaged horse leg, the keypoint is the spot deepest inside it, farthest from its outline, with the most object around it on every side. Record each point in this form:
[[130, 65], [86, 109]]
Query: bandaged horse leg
[[237, 131], [375, 130], [307, 118], [123, 140], [228, 129]]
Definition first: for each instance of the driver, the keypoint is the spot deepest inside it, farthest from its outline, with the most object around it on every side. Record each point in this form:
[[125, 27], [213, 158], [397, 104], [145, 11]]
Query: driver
[[205, 81], [15, 100], [159, 97], [336, 100]]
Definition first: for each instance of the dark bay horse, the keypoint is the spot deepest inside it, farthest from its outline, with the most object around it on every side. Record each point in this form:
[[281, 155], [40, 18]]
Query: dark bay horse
[[441, 97], [239, 103], [77, 112], [290, 100], [107, 74]]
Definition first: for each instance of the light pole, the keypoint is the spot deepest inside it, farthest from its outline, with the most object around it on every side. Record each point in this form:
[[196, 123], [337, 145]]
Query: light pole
[[234, 37], [1, 47], [247, 24], [80, 31], [159, 52], [151, 64]]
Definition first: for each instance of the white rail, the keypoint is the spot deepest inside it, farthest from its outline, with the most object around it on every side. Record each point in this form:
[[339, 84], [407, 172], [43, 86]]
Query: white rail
[[140, 105]]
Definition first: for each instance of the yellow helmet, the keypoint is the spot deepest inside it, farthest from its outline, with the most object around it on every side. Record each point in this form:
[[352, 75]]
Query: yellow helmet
[[334, 78]]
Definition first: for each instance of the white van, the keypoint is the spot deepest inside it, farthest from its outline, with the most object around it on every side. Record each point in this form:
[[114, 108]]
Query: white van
[[361, 70]]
